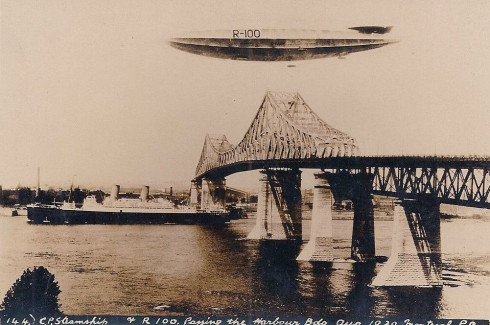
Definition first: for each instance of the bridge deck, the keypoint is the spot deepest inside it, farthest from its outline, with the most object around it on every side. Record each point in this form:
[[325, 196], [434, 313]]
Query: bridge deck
[[453, 180], [357, 162]]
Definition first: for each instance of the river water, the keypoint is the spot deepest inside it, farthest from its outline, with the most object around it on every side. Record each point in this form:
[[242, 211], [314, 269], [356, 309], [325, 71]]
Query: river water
[[196, 270]]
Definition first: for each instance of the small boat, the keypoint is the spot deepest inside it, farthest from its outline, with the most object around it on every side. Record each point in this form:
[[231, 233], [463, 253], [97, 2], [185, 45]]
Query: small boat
[[19, 210]]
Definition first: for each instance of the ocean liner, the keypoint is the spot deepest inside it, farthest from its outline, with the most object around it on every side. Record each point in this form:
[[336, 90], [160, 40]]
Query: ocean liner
[[115, 210]]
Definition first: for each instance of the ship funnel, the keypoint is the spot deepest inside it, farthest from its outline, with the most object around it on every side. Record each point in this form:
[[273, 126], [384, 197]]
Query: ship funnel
[[144, 193], [115, 192]]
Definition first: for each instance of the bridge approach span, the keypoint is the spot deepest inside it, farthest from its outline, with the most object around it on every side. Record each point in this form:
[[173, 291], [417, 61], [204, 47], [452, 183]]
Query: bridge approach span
[[453, 180]]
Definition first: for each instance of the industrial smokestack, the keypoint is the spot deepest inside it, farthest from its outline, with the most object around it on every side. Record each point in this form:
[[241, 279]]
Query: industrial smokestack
[[115, 192], [171, 191], [38, 180], [144, 193]]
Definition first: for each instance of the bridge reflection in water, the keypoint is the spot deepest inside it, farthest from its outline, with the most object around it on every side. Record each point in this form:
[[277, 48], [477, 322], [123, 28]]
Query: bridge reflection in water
[[280, 285], [287, 135]]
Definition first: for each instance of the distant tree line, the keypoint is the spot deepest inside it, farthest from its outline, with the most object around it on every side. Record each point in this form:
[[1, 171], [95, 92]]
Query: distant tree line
[[20, 195], [24, 196]]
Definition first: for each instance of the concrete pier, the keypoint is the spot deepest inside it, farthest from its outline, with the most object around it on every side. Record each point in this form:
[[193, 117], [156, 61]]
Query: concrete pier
[[278, 206], [319, 247], [363, 241], [196, 188], [357, 188], [213, 194], [416, 252], [268, 224], [205, 196]]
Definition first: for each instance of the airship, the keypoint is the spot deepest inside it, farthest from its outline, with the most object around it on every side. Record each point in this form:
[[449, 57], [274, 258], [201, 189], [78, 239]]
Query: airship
[[282, 45]]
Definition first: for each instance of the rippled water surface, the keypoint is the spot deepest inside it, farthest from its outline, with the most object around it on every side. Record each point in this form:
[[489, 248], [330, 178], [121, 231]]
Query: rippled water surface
[[182, 269]]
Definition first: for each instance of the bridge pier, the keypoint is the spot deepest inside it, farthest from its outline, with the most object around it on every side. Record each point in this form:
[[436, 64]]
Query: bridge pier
[[357, 188], [266, 211], [278, 206], [319, 247], [416, 252], [196, 189], [213, 194], [363, 241]]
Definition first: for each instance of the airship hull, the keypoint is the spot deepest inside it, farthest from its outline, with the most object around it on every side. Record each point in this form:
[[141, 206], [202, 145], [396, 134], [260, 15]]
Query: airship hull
[[280, 49]]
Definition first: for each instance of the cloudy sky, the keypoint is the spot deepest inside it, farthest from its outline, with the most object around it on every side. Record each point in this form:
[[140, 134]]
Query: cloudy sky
[[90, 88]]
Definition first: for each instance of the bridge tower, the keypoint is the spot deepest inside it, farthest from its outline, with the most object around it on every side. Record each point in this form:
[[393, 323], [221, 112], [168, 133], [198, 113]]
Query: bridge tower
[[319, 247], [279, 205], [213, 194], [416, 250]]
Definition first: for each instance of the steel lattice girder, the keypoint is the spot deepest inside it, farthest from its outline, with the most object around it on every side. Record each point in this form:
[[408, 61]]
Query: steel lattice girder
[[453, 180], [285, 127], [468, 186], [286, 133]]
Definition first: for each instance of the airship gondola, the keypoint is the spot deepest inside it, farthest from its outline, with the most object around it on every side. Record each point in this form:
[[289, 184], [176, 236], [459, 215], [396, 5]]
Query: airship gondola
[[282, 45]]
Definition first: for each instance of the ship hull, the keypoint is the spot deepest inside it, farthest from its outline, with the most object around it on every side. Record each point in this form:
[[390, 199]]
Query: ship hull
[[58, 216]]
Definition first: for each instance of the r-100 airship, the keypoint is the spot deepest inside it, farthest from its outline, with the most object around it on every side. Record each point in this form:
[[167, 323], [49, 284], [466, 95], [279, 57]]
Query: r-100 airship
[[282, 45]]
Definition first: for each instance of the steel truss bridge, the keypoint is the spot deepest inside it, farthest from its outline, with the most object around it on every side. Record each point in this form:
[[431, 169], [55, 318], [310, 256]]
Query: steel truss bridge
[[286, 133]]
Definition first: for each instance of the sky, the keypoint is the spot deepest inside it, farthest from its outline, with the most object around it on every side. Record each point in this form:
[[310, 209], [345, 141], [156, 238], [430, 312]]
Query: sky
[[92, 89]]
